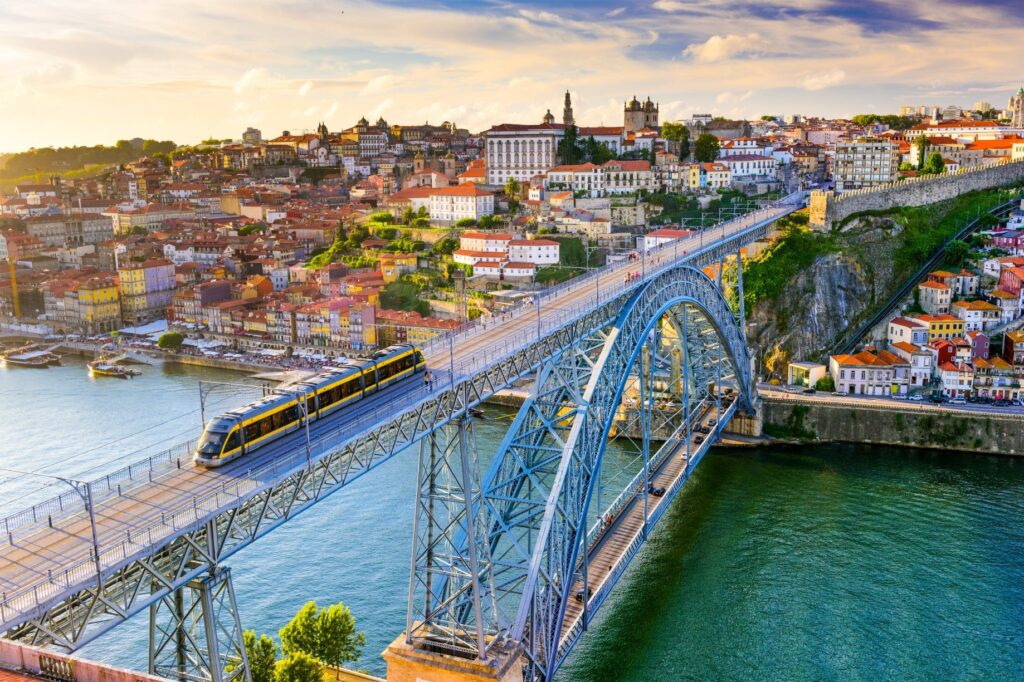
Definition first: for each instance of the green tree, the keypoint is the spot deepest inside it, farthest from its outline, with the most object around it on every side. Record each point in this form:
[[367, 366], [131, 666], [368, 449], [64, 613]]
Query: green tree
[[252, 228], [706, 148], [486, 222], [300, 634], [767, 117], [569, 151], [464, 222], [826, 384], [170, 341], [262, 655], [907, 166], [339, 642], [934, 165], [957, 252], [140, 231], [400, 295], [921, 143], [513, 188], [328, 635], [678, 133], [408, 215], [299, 667], [445, 247]]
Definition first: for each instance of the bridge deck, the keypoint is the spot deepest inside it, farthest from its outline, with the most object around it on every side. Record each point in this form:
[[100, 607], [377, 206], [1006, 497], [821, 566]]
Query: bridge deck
[[622, 537], [43, 562]]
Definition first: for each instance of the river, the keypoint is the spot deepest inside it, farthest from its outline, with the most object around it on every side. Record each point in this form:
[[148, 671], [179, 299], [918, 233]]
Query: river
[[834, 562]]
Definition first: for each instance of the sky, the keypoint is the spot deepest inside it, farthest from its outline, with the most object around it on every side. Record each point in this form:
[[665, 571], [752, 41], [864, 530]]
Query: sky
[[92, 72]]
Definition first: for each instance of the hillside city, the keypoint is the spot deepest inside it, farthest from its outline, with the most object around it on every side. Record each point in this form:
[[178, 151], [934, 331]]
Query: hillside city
[[298, 247]]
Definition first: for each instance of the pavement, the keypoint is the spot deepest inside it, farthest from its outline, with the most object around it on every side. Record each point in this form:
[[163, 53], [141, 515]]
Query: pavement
[[886, 402]]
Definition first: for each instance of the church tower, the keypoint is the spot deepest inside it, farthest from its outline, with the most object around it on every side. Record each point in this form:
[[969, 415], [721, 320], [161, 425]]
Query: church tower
[[567, 117], [549, 118], [1017, 109]]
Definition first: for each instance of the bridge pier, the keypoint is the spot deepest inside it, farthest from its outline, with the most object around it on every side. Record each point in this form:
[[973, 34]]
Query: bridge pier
[[195, 634], [408, 663]]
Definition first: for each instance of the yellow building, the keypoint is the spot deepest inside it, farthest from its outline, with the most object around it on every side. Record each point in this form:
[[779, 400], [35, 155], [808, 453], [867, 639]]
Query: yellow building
[[941, 326], [393, 265], [99, 304]]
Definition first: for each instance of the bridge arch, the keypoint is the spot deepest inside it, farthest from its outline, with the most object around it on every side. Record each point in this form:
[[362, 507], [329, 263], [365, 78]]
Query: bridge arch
[[539, 490]]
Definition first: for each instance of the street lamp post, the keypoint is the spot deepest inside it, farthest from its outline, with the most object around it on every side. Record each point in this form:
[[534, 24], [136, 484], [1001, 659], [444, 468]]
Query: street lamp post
[[84, 490]]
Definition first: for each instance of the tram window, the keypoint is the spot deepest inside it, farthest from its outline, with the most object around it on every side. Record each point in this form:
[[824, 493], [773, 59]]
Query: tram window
[[252, 432], [232, 441], [310, 406]]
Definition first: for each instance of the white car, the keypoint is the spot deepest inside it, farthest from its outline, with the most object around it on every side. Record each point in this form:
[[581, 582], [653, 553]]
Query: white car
[[917, 398]]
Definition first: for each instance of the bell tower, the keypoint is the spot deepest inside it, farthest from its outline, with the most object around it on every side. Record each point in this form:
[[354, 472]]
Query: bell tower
[[567, 117]]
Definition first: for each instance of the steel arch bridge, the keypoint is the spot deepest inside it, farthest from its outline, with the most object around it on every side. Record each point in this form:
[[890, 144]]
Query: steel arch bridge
[[647, 351], [510, 558]]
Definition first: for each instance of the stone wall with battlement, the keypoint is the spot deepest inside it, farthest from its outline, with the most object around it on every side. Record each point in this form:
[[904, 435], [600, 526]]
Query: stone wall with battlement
[[828, 209]]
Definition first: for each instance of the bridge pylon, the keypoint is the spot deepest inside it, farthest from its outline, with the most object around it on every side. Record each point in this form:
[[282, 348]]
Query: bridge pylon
[[195, 634]]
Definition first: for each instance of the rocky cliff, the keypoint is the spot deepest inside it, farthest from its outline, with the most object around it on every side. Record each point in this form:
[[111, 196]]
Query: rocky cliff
[[853, 273]]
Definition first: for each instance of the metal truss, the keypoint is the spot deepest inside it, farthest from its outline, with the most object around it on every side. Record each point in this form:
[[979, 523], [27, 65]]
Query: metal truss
[[195, 634], [539, 488], [449, 548]]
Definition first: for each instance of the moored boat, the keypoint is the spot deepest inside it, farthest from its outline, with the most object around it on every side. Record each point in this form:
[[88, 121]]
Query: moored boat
[[101, 367]]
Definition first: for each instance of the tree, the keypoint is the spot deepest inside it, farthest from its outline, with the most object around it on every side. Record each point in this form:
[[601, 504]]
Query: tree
[[826, 384], [140, 231], [705, 150], [957, 252], [252, 228], [486, 222], [328, 635], [774, 360], [513, 188], [298, 667], [907, 166], [262, 655], [445, 247], [464, 222], [170, 341], [300, 634], [339, 642], [678, 133], [921, 143], [399, 295], [767, 117], [934, 165], [568, 147]]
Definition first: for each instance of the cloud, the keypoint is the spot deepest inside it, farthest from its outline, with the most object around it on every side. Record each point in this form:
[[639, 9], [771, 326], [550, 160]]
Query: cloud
[[718, 48], [251, 79], [725, 97], [820, 81], [305, 88], [616, 12]]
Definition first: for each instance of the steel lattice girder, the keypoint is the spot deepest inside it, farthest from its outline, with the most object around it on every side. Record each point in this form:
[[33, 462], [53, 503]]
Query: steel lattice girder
[[538, 489], [195, 633], [449, 547]]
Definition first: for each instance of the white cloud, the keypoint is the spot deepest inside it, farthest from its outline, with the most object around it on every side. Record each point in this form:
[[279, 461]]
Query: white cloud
[[718, 48], [251, 79], [305, 88], [671, 5], [820, 81], [616, 12]]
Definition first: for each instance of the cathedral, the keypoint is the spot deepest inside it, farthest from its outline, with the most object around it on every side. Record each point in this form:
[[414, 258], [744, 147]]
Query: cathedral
[[1017, 109], [637, 116]]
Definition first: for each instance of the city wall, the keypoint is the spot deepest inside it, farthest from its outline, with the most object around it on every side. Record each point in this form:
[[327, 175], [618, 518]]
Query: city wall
[[828, 209], [909, 425]]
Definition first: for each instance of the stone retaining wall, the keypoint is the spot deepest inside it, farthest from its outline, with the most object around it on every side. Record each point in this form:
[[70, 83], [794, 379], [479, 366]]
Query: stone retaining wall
[[828, 209], [889, 423]]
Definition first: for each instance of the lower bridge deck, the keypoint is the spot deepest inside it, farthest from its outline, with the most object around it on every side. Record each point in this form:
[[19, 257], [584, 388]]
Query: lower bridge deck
[[622, 535]]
